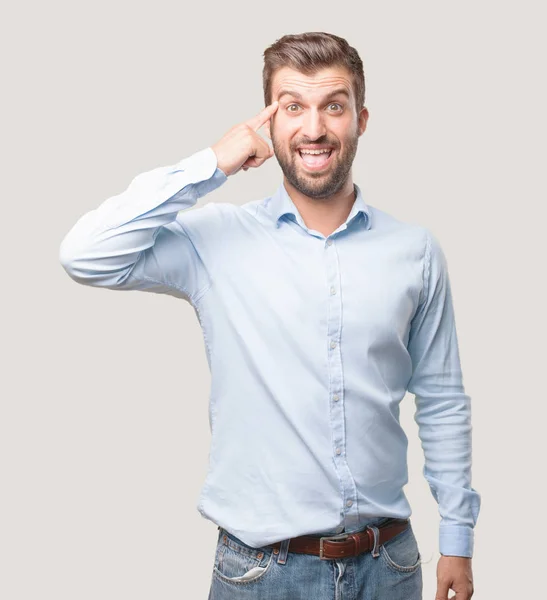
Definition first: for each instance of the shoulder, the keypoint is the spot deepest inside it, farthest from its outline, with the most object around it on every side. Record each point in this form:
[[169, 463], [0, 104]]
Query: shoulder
[[412, 234], [208, 214], [213, 221]]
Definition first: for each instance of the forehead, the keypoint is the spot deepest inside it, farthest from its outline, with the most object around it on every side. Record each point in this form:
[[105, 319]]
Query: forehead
[[320, 83]]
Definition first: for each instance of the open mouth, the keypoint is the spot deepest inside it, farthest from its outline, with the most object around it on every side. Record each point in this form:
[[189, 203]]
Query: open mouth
[[316, 161]]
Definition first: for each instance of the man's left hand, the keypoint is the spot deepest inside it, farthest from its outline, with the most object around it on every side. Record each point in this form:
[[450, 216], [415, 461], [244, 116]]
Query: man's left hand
[[454, 573]]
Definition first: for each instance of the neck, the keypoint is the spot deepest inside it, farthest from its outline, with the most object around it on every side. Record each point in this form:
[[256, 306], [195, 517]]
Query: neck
[[323, 214]]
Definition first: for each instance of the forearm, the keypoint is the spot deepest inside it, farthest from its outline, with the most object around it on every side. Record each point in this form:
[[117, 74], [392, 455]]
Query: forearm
[[445, 431]]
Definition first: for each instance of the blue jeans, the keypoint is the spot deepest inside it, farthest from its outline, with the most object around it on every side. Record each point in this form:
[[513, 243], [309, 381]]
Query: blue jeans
[[241, 572]]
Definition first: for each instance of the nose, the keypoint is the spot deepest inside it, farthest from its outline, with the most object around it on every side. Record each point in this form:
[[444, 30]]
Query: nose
[[313, 126]]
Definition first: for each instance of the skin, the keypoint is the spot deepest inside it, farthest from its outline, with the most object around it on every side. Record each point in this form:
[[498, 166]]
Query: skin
[[325, 198], [454, 573]]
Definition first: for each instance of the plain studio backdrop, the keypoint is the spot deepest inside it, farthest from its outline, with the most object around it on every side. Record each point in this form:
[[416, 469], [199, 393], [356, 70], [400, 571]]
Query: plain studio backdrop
[[104, 398]]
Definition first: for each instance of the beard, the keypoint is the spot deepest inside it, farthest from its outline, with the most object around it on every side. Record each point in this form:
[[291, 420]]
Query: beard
[[319, 184]]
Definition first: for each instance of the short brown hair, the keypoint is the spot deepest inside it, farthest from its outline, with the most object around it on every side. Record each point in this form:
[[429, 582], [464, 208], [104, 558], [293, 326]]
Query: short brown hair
[[308, 53]]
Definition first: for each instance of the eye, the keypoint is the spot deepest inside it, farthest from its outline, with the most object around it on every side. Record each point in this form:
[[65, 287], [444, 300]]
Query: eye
[[336, 104], [289, 106]]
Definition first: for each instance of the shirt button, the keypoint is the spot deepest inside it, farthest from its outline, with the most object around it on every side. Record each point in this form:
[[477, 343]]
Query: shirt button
[[333, 345], [349, 502], [332, 290], [338, 451], [336, 397], [329, 242]]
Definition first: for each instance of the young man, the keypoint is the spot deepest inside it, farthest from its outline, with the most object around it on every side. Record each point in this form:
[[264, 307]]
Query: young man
[[319, 313]]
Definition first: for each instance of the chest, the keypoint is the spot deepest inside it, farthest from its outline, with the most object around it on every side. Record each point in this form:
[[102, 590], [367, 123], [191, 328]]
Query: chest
[[369, 285]]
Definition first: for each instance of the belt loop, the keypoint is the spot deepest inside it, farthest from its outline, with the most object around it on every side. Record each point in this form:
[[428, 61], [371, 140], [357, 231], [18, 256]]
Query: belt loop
[[283, 551], [375, 550]]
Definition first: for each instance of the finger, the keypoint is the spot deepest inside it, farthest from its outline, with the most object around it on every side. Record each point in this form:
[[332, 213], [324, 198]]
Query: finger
[[262, 149], [265, 149], [259, 161], [259, 120], [442, 590], [255, 161], [250, 163]]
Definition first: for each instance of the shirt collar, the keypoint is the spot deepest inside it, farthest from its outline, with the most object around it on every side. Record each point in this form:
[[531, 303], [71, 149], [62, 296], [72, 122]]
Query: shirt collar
[[281, 204]]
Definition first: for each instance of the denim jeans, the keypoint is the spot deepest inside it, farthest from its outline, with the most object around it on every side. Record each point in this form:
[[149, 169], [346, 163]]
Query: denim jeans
[[241, 572]]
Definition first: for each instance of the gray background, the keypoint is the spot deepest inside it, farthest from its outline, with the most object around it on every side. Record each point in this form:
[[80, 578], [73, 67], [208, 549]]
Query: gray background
[[104, 432]]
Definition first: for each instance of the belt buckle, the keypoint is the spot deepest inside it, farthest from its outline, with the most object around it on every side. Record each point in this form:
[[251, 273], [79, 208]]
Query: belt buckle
[[340, 536]]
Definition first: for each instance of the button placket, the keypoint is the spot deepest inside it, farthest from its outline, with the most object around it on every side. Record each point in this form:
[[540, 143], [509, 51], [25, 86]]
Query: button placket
[[334, 320]]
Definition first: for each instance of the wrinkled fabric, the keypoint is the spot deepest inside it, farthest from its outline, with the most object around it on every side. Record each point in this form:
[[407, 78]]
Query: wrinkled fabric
[[312, 342], [240, 571]]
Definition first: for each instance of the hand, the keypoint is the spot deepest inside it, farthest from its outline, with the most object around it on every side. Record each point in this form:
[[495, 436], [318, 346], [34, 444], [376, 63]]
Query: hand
[[242, 146], [455, 573]]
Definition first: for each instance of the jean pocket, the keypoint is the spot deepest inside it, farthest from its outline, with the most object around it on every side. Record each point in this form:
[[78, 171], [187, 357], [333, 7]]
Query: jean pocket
[[401, 552], [237, 563]]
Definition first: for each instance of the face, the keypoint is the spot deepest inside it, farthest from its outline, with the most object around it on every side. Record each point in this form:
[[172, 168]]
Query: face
[[316, 112]]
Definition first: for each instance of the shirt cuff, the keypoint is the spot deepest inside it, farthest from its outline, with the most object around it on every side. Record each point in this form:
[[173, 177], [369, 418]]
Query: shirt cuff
[[456, 540], [206, 176]]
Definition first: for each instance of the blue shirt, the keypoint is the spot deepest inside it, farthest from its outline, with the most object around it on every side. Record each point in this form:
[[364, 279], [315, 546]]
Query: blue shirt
[[312, 343]]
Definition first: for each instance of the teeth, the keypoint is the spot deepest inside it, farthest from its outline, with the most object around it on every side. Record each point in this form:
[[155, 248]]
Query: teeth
[[314, 151]]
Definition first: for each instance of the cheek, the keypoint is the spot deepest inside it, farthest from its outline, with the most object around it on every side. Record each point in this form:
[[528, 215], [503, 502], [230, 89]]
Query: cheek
[[345, 129], [284, 128]]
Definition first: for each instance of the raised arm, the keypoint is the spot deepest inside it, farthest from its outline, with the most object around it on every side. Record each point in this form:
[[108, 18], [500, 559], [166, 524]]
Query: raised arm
[[133, 241], [136, 240]]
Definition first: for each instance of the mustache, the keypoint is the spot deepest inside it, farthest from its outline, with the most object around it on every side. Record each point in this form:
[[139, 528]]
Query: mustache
[[307, 142]]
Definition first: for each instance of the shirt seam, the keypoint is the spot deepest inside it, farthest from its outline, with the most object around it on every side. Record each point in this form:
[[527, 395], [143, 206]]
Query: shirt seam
[[208, 349], [185, 291], [426, 268], [200, 293]]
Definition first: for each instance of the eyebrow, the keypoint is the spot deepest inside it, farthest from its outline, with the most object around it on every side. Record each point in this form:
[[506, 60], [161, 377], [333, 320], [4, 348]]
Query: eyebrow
[[299, 96]]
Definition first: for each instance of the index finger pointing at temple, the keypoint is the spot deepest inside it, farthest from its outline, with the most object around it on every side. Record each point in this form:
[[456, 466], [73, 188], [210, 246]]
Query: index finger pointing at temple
[[259, 120]]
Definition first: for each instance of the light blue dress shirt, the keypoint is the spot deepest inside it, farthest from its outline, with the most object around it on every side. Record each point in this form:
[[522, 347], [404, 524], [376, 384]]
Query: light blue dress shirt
[[312, 343]]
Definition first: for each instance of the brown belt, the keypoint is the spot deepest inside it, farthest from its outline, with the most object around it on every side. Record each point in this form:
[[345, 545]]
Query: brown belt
[[344, 544]]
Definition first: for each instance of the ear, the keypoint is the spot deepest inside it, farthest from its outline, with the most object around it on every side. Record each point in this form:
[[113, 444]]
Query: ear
[[363, 119]]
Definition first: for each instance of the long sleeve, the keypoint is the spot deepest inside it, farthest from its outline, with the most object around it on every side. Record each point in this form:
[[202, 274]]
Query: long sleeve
[[134, 241], [443, 409]]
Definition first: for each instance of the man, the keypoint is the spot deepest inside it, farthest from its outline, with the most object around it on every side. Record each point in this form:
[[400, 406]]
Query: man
[[319, 313]]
